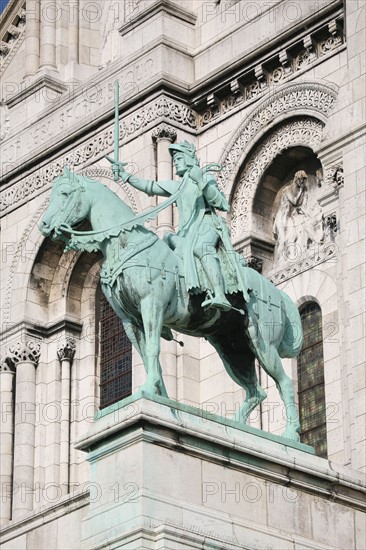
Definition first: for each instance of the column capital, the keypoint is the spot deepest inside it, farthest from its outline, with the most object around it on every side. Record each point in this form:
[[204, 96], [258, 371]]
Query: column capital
[[66, 349], [164, 131], [6, 365], [25, 352]]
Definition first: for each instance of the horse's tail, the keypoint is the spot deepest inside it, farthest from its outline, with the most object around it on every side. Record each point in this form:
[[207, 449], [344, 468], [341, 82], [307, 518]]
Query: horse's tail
[[292, 339]]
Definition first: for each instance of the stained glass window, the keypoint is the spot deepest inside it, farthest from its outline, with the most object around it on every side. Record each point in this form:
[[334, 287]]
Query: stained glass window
[[310, 372], [115, 356]]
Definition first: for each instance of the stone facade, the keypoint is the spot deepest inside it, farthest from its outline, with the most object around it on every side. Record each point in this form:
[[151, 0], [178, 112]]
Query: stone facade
[[264, 88]]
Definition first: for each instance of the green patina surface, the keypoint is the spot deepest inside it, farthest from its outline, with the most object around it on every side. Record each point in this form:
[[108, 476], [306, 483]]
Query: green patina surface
[[199, 414], [191, 281]]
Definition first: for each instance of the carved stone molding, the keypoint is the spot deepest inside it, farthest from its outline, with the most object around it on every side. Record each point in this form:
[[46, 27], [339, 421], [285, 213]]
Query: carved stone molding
[[4, 121], [334, 176], [291, 100], [322, 254], [25, 352], [66, 349], [164, 131], [252, 82], [96, 148], [18, 255], [255, 263], [15, 35], [6, 366], [331, 222], [300, 132]]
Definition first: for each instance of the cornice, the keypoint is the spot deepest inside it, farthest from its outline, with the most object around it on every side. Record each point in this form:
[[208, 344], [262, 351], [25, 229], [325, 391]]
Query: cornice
[[9, 14], [42, 81], [37, 331], [36, 519], [12, 33], [175, 10]]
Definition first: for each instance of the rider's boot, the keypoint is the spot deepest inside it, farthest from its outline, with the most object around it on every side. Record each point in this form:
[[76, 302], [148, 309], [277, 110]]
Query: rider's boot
[[211, 266]]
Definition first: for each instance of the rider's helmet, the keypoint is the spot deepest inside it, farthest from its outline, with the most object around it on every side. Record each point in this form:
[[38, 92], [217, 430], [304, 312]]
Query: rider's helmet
[[188, 149]]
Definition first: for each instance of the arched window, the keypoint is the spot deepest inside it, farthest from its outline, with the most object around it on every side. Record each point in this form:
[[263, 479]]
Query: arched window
[[115, 354], [310, 373]]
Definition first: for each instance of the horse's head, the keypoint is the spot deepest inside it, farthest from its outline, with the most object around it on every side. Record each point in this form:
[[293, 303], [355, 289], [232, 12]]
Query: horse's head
[[68, 205]]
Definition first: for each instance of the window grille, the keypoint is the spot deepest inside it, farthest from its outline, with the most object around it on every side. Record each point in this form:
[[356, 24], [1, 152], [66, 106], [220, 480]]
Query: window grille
[[115, 357], [310, 372]]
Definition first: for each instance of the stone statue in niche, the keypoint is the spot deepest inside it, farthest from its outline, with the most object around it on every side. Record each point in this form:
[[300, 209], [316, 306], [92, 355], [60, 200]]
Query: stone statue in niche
[[299, 220]]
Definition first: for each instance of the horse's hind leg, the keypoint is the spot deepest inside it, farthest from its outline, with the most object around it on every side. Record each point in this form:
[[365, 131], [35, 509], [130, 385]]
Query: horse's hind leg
[[275, 370], [240, 365], [255, 394]]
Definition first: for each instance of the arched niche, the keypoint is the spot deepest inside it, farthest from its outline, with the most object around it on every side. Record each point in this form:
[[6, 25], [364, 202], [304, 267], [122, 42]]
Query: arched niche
[[38, 284], [270, 166]]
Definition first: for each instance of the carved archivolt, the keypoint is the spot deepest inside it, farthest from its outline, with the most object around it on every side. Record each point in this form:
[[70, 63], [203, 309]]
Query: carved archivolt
[[295, 99], [300, 132]]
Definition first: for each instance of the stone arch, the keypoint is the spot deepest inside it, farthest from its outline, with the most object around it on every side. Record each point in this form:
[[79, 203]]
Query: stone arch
[[316, 286], [26, 259], [312, 99], [296, 132], [301, 132]]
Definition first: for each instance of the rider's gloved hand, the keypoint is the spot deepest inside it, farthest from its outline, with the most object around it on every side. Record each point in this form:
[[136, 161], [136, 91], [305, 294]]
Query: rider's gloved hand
[[119, 170]]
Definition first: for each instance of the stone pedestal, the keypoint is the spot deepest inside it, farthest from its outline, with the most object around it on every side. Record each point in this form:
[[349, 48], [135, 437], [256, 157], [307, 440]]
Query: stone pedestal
[[168, 476]]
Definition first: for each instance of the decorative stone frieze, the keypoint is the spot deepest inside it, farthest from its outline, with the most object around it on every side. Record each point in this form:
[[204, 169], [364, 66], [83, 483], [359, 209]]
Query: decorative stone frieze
[[25, 352], [252, 84], [66, 349], [97, 147], [300, 132]]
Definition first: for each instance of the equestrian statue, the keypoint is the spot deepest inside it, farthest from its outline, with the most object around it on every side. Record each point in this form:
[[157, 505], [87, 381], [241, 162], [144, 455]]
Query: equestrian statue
[[191, 281]]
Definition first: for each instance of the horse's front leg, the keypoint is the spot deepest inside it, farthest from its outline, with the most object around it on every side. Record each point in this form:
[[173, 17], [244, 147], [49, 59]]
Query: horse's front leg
[[152, 318]]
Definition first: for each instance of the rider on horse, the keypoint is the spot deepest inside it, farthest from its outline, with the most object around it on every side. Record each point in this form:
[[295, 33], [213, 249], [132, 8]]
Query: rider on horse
[[201, 231]]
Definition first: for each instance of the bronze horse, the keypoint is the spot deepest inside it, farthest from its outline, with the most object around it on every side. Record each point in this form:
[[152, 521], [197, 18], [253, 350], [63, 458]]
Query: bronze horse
[[142, 280]]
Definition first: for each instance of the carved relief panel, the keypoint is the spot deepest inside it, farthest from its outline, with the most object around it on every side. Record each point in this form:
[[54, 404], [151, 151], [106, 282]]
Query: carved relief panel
[[299, 224]]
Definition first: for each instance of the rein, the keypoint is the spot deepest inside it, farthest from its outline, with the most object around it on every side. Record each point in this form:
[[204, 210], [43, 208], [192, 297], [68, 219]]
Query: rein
[[141, 218]]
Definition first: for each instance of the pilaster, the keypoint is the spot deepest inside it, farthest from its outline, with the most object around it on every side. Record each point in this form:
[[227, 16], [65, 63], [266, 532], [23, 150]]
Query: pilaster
[[162, 136], [25, 357], [6, 438], [66, 352]]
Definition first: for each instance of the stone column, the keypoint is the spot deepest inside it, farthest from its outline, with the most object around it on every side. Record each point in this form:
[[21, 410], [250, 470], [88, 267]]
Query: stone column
[[6, 439], [163, 136], [65, 352], [25, 357], [48, 34], [74, 31], [32, 34]]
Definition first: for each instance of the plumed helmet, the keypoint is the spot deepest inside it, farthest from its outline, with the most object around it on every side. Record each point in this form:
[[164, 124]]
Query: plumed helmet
[[187, 148]]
